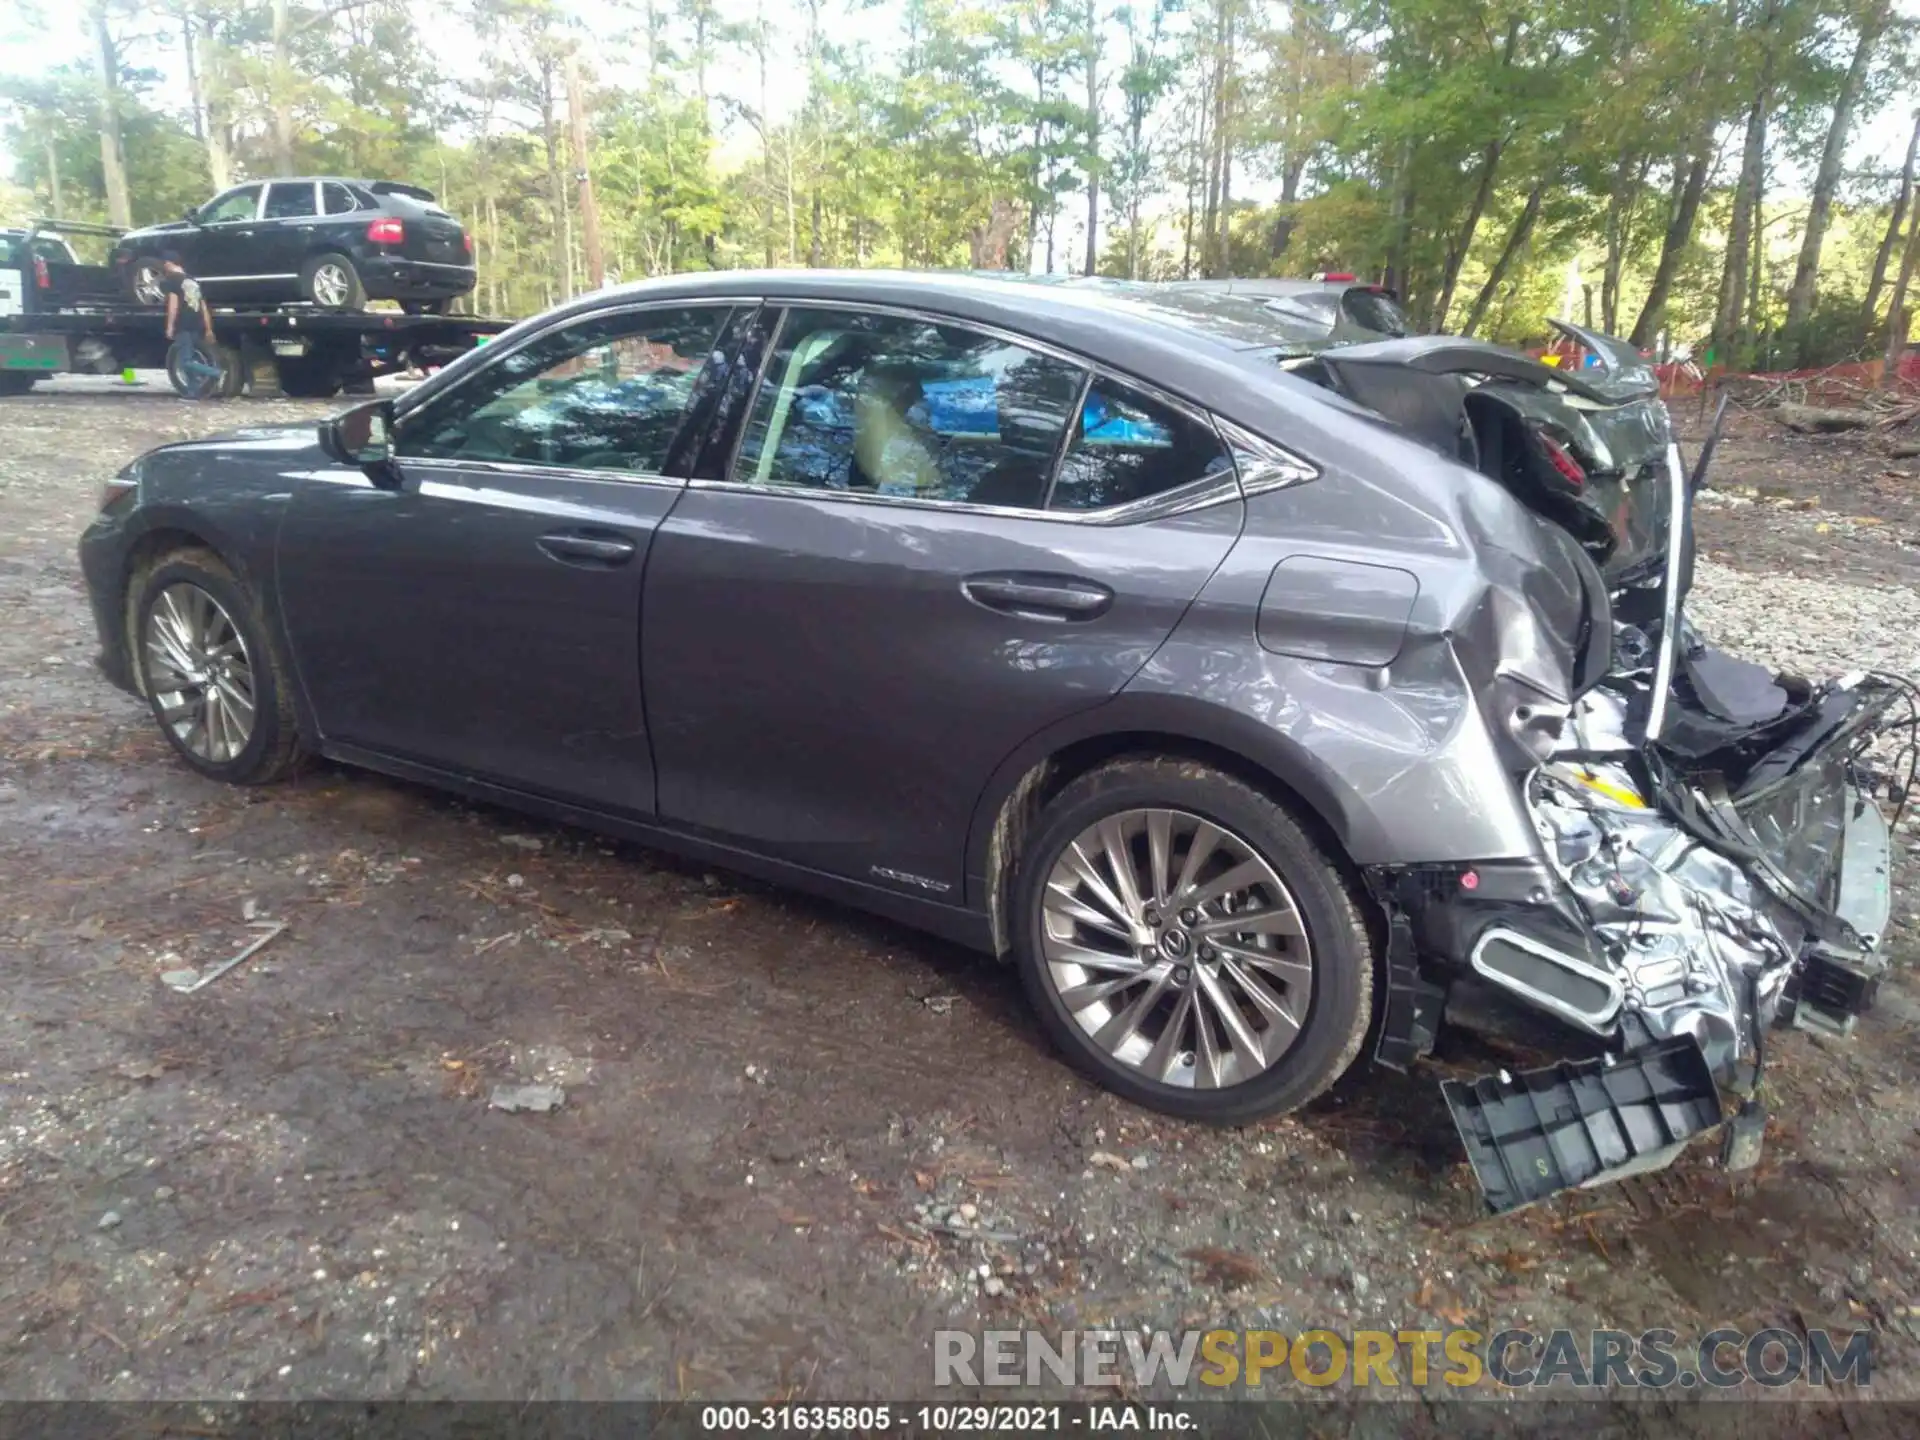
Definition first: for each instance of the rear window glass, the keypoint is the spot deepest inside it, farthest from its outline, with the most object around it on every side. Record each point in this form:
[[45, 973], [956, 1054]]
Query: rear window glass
[[1377, 311], [289, 200], [338, 199], [1128, 446]]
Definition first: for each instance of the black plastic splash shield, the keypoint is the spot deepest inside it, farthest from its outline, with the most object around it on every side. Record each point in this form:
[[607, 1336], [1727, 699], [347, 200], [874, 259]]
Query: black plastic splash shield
[[1538, 1132]]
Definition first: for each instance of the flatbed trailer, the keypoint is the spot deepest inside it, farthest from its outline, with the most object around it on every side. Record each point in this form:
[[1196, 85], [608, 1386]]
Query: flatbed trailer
[[68, 319]]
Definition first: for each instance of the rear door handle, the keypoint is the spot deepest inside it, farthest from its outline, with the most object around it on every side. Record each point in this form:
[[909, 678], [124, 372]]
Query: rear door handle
[[1038, 597], [575, 549]]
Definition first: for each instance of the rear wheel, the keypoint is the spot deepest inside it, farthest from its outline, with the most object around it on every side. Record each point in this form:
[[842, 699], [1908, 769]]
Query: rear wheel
[[213, 678], [1188, 945], [331, 282]]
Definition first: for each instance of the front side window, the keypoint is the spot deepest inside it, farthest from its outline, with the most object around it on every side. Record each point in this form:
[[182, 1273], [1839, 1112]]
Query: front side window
[[289, 200], [604, 393], [891, 405], [1129, 446], [241, 204]]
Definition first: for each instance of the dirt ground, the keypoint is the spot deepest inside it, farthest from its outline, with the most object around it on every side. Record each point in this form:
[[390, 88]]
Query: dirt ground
[[795, 1140]]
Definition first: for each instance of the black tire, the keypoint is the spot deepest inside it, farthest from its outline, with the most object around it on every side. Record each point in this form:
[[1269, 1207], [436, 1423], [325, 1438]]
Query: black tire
[[13, 382], [143, 282], [273, 749], [1340, 1007], [350, 294], [308, 379], [199, 387]]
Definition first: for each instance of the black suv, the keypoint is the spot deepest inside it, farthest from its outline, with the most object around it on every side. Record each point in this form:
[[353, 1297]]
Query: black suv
[[337, 243]]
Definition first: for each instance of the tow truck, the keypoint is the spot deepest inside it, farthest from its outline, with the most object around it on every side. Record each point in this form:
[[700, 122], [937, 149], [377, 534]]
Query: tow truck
[[64, 317]]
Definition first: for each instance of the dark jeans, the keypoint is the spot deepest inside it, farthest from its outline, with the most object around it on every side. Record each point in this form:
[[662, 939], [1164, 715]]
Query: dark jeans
[[197, 365]]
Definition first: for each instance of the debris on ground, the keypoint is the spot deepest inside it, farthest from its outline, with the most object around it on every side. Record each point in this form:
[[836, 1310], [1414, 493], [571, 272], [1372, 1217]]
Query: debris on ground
[[188, 981], [539, 1098]]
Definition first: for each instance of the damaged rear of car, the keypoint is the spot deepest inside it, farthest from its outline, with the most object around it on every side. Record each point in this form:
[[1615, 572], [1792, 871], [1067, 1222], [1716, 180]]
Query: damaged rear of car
[[1713, 852]]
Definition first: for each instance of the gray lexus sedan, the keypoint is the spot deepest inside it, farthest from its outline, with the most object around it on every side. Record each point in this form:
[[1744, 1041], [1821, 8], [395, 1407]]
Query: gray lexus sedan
[[1263, 706]]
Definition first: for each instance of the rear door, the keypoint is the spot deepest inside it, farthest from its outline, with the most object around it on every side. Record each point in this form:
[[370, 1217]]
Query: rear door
[[286, 232], [898, 580], [483, 616]]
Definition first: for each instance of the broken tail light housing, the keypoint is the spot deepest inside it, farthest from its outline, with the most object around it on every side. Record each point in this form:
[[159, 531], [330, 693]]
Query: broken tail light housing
[[1561, 461], [466, 242], [387, 231]]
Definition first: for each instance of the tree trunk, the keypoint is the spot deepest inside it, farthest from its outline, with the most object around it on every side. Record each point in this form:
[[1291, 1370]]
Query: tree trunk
[[1457, 252], [1896, 312], [113, 154], [1730, 310], [556, 189], [1516, 242], [1870, 306], [1093, 139], [583, 173], [1690, 187], [219, 111], [1398, 213], [281, 88], [1826, 180], [194, 97], [53, 176], [1616, 238]]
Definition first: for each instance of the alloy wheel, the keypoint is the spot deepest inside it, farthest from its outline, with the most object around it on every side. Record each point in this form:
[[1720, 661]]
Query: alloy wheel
[[146, 285], [1177, 948], [199, 673], [330, 284]]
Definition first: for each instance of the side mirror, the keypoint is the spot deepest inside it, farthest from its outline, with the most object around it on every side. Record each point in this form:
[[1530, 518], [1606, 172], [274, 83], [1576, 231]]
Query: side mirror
[[191, 214], [361, 437]]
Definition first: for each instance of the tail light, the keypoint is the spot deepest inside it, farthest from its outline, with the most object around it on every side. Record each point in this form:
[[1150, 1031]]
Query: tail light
[[1568, 467], [466, 242], [386, 232], [40, 276], [1334, 275]]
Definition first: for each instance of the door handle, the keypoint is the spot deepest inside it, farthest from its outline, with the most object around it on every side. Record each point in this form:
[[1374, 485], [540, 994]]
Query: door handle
[[1038, 597], [575, 549]]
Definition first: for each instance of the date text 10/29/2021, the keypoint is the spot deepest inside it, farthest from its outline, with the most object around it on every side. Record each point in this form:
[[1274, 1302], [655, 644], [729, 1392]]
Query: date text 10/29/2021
[[807, 1419]]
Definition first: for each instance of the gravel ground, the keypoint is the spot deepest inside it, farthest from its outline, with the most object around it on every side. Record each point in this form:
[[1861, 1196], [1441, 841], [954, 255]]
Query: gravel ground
[[793, 1140]]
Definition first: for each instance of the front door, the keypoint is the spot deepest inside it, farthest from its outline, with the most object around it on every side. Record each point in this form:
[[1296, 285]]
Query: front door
[[897, 584], [219, 249], [484, 616]]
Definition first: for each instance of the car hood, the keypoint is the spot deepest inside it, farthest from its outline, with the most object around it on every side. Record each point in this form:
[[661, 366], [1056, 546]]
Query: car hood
[[166, 227]]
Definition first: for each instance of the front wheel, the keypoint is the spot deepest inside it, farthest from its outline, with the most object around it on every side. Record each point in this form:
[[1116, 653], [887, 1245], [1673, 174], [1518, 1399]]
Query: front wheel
[[331, 282], [143, 282], [216, 684], [1188, 945]]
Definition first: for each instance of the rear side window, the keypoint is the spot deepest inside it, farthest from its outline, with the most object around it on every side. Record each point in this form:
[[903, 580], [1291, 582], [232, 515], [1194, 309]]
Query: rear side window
[[1128, 446], [893, 405], [1376, 310], [289, 200], [338, 199]]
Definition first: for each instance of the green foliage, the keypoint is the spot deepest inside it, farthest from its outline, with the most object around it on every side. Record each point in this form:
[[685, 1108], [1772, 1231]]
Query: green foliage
[[1476, 154]]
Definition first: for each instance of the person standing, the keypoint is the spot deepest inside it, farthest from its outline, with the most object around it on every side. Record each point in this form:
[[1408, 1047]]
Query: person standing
[[197, 363]]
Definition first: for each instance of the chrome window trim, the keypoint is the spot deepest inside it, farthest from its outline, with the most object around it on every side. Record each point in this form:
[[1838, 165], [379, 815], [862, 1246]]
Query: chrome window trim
[[564, 472], [1196, 494], [1266, 465], [497, 354]]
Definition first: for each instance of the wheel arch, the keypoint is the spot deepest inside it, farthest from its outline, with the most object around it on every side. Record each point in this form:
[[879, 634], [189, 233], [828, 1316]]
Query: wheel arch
[[1236, 745]]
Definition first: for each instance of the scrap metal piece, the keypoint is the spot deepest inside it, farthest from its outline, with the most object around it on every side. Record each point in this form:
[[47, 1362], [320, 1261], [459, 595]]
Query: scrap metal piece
[[540, 1098], [187, 981], [1582, 1123]]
